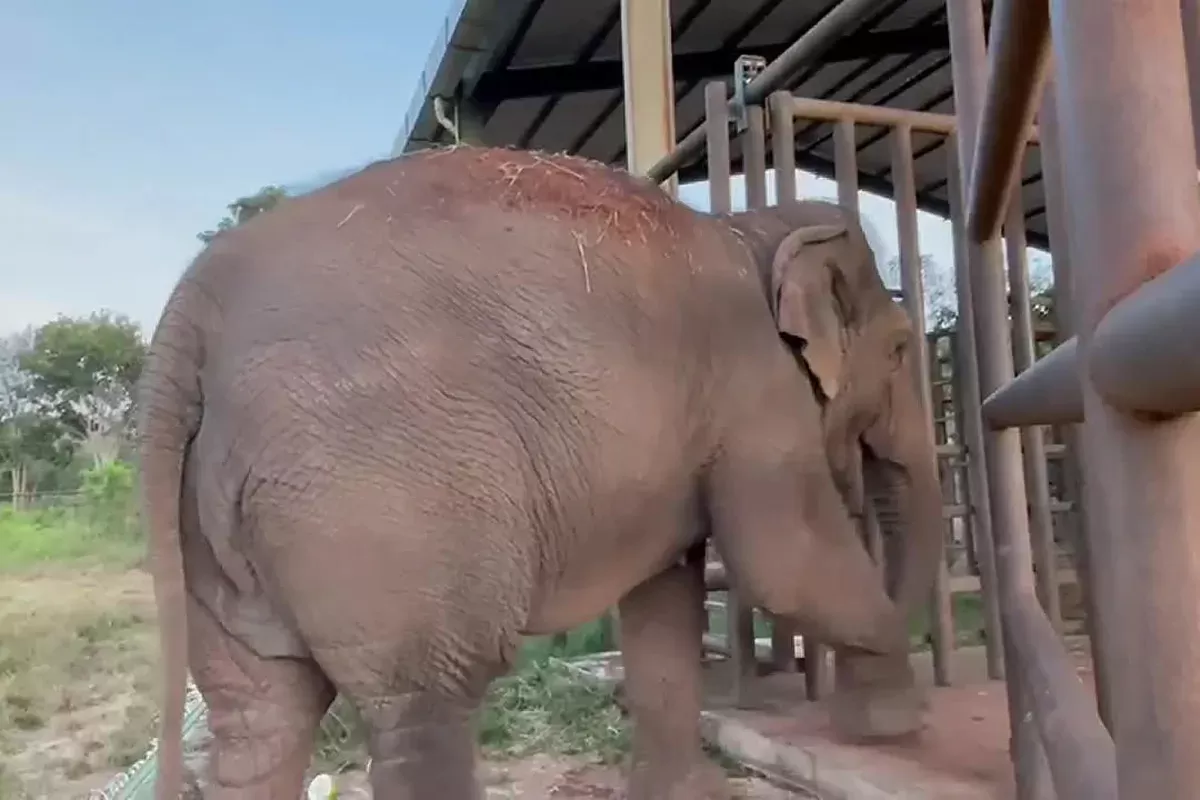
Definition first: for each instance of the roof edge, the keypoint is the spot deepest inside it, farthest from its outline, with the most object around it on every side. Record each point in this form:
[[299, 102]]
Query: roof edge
[[469, 31]]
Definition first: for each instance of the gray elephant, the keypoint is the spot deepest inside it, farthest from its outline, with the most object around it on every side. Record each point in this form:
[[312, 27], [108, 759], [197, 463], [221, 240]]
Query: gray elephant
[[469, 395]]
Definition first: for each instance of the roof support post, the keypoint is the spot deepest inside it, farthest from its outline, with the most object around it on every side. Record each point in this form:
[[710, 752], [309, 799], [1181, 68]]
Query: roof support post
[[649, 84]]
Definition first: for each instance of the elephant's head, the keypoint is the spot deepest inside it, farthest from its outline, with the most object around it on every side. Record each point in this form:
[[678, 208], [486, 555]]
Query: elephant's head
[[858, 347]]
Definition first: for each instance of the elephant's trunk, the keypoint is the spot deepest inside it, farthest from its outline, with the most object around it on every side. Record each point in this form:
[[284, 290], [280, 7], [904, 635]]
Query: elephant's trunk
[[877, 695], [906, 469]]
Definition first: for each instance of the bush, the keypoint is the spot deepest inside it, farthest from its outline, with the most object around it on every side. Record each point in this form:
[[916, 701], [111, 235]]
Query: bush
[[99, 524], [108, 492]]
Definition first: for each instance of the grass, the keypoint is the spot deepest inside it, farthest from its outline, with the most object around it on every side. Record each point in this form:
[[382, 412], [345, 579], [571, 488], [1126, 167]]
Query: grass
[[59, 536], [78, 650], [79, 664], [545, 707], [541, 707]]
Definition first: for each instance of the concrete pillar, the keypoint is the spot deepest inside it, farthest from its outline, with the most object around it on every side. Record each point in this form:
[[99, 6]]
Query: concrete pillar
[[649, 84]]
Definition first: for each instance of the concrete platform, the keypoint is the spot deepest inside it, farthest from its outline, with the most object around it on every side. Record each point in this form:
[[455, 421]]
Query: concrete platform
[[962, 754]]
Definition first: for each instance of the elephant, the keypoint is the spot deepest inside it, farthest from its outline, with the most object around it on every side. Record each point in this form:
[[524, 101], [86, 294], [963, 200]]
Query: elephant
[[473, 394], [857, 345]]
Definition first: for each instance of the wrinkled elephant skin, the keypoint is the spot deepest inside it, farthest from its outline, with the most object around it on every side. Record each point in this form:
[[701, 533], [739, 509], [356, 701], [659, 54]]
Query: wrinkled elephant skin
[[394, 425]]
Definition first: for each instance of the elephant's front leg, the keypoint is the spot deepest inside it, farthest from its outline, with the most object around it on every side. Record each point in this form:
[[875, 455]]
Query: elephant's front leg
[[662, 624]]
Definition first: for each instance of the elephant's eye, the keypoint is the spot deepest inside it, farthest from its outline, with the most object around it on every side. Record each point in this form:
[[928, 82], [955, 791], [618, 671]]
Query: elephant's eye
[[899, 348]]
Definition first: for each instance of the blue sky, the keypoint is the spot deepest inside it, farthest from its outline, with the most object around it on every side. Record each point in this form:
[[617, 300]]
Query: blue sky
[[128, 125]]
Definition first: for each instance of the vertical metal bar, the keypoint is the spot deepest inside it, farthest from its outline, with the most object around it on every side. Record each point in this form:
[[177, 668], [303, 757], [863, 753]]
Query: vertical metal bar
[[754, 153], [966, 366], [1123, 104], [1002, 449], [964, 472], [783, 146], [649, 84], [754, 157], [739, 617], [1037, 481], [716, 131], [1085, 523], [912, 286], [1191, 40], [846, 174], [1019, 53], [845, 163]]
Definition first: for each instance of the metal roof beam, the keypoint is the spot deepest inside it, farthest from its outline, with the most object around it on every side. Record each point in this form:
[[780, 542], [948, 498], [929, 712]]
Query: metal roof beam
[[605, 75]]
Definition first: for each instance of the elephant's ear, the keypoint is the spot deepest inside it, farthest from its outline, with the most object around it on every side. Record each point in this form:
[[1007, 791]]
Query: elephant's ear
[[806, 302]]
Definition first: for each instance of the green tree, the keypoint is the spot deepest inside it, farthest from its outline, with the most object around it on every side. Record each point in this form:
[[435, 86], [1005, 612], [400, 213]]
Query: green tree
[[32, 445], [82, 373], [940, 304], [245, 208]]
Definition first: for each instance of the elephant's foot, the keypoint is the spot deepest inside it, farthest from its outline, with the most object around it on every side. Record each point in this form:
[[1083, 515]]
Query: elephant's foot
[[698, 780], [421, 746], [263, 714], [876, 697]]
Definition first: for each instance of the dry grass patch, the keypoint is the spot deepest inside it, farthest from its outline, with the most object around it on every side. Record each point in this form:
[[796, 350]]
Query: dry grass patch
[[78, 679]]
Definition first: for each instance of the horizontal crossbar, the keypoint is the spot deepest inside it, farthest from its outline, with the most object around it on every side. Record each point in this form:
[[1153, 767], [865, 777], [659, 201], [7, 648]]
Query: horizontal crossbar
[[884, 116], [1142, 360]]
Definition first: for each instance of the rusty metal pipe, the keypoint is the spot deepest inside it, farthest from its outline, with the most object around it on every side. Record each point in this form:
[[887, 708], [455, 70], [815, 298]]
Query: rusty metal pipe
[[813, 108], [1190, 10], [966, 364], [1143, 353], [1081, 756], [1002, 449], [739, 616], [1130, 173], [1085, 523], [1033, 445], [913, 286], [1019, 53], [1047, 393]]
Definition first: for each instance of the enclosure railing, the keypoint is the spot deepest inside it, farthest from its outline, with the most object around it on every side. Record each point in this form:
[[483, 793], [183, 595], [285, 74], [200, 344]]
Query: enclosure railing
[[847, 117], [1058, 736], [1129, 171]]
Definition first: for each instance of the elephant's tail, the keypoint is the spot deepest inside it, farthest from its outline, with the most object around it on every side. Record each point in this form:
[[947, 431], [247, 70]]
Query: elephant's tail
[[169, 404]]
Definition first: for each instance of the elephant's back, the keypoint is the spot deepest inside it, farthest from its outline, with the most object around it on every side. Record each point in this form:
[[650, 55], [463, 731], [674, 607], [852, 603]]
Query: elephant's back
[[550, 304]]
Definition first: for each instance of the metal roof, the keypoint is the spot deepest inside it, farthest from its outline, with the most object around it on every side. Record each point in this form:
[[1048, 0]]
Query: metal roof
[[546, 74]]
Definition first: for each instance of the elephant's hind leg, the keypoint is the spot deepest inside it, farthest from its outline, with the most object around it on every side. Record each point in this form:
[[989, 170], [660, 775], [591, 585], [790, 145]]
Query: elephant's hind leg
[[417, 693], [422, 745], [662, 625], [263, 713]]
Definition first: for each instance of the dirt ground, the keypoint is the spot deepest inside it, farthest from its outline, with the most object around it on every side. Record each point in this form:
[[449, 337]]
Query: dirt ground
[[77, 679], [78, 686], [545, 776]]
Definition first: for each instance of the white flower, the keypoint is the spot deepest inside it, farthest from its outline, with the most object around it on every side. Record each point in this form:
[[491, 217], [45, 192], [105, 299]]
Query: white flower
[[322, 787]]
